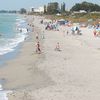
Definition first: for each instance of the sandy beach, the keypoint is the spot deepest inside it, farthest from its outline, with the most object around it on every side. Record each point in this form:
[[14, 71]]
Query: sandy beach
[[70, 74]]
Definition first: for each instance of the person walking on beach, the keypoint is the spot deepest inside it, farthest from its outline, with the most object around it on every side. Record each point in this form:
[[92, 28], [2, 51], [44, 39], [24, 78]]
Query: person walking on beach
[[37, 36], [43, 35], [57, 47], [67, 32], [94, 32], [64, 33], [38, 50]]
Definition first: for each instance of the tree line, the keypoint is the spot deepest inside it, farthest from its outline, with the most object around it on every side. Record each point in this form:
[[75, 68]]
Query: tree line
[[21, 11], [89, 7], [10, 11], [54, 7]]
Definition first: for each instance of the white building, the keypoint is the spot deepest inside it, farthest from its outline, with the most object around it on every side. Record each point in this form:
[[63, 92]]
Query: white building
[[80, 11], [31, 9], [37, 10]]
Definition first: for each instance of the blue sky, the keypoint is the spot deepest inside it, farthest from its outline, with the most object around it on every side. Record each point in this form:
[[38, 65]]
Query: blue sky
[[17, 4]]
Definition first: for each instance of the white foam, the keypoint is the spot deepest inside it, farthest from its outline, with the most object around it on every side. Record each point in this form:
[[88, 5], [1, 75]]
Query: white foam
[[0, 87], [3, 94], [12, 43], [20, 37], [11, 46]]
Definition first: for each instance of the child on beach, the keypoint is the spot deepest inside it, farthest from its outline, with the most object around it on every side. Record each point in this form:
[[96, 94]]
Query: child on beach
[[67, 32], [38, 50], [94, 32], [43, 35], [58, 47]]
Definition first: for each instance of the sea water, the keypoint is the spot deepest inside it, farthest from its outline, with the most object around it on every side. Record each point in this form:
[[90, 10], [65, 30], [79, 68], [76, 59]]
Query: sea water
[[13, 31]]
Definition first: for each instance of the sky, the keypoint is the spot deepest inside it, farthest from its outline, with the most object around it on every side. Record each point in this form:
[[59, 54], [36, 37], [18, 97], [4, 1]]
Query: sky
[[17, 4]]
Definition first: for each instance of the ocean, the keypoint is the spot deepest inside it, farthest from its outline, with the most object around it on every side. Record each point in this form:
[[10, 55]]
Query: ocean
[[13, 31]]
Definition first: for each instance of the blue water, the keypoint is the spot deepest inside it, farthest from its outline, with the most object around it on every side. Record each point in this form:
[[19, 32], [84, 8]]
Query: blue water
[[7, 22], [13, 31]]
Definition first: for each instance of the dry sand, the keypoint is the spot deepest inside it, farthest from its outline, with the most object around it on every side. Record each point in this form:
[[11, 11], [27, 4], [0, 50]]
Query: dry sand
[[71, 74]]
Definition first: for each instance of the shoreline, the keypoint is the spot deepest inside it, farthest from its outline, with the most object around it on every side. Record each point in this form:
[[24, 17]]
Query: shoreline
[[10, 55], [12, 48], [71, 74], [30, 40]]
